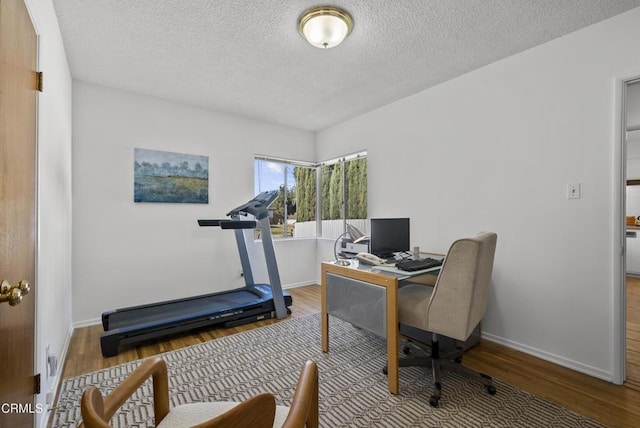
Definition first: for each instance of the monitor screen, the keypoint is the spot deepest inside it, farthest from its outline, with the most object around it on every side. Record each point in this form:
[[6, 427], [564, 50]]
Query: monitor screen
[[389, 235]]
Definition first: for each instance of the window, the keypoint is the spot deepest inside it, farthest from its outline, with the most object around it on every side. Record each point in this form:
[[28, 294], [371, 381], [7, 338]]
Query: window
[[342, 195], [293, 214]]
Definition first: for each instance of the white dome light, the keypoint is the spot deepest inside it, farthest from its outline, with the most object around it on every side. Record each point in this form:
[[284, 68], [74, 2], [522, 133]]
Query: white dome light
[[325, 26]]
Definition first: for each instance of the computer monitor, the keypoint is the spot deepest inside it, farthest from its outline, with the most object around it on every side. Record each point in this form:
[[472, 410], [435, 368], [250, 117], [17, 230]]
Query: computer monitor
[[389, 235]]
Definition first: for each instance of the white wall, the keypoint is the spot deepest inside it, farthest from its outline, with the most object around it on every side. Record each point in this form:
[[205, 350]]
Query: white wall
[[633, 201], [495, 150], [633, 149], [633, 104], [633, 163], [128, 253], [53, 282], [633, 137]]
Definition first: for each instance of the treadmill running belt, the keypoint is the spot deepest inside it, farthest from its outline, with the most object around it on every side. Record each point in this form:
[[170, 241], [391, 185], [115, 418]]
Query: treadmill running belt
[[165, 313]]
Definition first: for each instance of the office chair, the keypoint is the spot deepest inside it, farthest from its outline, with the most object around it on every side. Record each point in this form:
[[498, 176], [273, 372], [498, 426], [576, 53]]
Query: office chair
[[452, 308], [259, 411]]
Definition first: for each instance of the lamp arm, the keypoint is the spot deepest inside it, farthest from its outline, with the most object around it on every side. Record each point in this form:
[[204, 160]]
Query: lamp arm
[[335, 245]]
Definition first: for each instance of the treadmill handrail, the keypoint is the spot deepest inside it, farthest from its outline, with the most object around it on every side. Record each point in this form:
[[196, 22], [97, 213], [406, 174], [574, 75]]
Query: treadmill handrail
[[229, 224], [238, 224], [208, 223]]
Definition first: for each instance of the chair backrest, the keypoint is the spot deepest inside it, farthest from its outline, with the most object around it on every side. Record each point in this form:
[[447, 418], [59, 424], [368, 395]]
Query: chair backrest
[[459, 298], [304, 405]]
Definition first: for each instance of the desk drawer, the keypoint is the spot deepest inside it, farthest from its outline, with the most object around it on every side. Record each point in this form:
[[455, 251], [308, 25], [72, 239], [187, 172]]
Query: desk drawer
[[357, 302]]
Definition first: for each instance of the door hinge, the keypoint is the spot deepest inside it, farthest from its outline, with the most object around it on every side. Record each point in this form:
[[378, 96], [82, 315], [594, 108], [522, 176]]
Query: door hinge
[[40, 81], [36, 384]]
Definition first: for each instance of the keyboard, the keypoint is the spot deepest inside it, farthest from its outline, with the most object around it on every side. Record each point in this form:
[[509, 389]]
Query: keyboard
[[414, 265]]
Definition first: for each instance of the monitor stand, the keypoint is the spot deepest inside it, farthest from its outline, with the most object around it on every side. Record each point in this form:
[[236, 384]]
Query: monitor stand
[[387, 256]]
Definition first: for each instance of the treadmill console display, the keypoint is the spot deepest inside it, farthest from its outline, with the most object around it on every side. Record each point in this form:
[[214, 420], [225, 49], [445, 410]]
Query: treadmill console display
[[258, 206]]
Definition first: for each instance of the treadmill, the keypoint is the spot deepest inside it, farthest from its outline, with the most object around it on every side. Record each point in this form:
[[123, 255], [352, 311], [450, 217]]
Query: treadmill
[[251, 303]]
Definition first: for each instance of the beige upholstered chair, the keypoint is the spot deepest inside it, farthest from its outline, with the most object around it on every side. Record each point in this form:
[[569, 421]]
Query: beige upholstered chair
[[453, 307], [259, 411]]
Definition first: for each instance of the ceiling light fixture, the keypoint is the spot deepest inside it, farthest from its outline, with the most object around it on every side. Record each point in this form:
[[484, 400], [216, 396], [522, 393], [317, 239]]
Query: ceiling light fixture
[[325, 26]]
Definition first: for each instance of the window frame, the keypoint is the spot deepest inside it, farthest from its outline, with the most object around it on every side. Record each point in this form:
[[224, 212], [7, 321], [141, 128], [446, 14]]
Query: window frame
[[339, 160], [318, 168], [287, 162]]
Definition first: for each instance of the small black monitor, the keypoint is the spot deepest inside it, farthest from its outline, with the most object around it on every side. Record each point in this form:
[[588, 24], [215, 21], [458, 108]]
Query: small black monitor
[[389, 235]]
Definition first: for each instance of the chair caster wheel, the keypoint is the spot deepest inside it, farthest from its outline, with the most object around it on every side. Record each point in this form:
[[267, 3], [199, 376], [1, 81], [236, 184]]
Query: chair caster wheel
[[491, 390], [385, 371], [406, 350], [433, 401]]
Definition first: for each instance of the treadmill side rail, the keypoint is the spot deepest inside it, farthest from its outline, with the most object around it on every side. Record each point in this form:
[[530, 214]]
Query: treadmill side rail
[[141, 328]]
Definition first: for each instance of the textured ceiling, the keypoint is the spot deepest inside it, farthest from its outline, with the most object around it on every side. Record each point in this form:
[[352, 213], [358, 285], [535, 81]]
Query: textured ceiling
[[246, 57]]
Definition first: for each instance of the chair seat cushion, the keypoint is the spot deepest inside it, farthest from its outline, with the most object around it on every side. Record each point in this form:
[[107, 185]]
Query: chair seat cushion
[[413, 300], [188, 415]]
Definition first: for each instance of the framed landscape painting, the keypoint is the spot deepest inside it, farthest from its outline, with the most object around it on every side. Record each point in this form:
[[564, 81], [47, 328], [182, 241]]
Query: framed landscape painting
[[170, 177]]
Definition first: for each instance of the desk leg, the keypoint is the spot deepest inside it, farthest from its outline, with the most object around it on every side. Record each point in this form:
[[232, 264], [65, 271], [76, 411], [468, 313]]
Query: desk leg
[[392, 339], [325, 332], [324, 316]]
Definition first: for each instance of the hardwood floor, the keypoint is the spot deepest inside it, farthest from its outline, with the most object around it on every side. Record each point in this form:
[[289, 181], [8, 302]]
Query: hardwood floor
[[611, 405]]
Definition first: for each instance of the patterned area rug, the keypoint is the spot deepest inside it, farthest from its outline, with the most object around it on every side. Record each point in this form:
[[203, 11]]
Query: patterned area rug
[[353, 389]]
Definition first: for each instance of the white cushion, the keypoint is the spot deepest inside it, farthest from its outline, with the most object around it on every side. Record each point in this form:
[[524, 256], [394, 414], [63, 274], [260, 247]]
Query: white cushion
[[189, 415]]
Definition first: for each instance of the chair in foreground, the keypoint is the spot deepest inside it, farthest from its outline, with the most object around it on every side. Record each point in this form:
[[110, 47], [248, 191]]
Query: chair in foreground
[[259, 411], [453, 307]]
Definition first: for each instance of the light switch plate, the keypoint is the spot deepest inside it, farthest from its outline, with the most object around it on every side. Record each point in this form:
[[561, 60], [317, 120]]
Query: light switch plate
[[573, 191]]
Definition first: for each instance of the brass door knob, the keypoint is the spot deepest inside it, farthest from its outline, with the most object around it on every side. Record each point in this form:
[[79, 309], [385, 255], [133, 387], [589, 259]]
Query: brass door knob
[[13, 293]]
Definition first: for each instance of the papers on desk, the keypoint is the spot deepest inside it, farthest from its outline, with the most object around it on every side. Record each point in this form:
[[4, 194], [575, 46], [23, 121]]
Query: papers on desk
[[403, 273]]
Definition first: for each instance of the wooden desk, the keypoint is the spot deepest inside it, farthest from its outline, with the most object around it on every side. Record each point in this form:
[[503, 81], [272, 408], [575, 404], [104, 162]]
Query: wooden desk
[[386, 285]]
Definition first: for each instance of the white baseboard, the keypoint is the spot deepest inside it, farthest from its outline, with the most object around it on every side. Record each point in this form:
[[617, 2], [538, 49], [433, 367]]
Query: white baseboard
[[87, 323], [553, 358], [299, 284]]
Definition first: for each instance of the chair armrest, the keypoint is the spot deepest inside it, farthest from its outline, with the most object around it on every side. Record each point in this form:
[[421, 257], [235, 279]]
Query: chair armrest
[[304, 406], [96, 411]]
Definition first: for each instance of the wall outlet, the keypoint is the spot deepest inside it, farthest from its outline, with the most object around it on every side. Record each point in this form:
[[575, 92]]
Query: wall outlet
[[52, 363], [50, 396]]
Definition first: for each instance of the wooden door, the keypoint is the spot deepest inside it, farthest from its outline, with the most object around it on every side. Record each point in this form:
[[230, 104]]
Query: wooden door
[[18, 88]]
